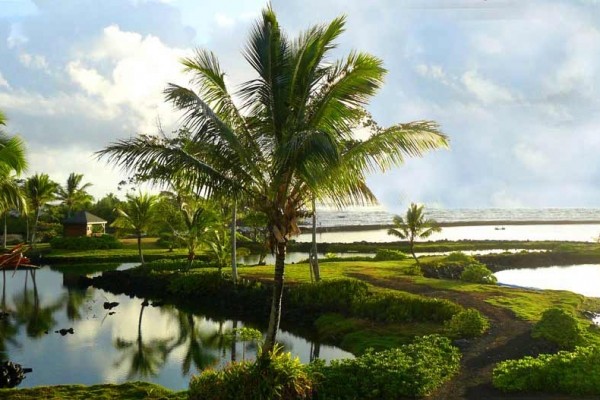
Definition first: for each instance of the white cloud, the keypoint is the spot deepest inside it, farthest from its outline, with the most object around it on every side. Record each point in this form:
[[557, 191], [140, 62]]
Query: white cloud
[[224, 21], [484, 89], [3, 82], [16, 37], [140, 68], [33, 61]]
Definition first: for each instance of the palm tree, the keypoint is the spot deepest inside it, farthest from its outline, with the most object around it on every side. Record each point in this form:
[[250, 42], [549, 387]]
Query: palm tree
[[286, 139], [413, 226], [74, 193], [12, 163], [39, 190], [137, 215], [198, 219]]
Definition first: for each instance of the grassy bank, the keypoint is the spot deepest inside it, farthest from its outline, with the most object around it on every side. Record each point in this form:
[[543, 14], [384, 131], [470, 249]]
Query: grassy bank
[[128, 391]]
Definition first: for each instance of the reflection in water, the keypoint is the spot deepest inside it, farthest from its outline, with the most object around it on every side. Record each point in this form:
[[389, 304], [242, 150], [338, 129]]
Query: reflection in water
[[145, 358], [163, 345]]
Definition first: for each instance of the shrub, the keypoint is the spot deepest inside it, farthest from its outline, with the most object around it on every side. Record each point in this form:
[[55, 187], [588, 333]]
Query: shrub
[[334, 296], [85, 243], [467, 324], [478, 273], [410, 370], [280, 376], [573, 373], [460, 258], [389, 255], [560, 327], [393, 307], [442, 270]]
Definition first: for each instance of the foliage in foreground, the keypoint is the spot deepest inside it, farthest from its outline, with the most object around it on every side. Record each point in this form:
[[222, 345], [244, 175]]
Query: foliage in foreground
[[411, 370], [129, 391], [560, 327], [459, 266], [575, 373]]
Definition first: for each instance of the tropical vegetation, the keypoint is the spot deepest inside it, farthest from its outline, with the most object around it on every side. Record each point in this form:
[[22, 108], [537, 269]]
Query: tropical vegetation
[[292, 131]]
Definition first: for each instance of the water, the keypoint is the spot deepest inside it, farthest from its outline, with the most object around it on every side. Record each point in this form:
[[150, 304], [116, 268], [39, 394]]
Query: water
[[562, 232], [582, 279], [157, 344], [377, 216]]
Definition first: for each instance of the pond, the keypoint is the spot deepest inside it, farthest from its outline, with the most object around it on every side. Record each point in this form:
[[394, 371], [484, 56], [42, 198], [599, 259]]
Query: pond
[[582, 279], [132, 341]]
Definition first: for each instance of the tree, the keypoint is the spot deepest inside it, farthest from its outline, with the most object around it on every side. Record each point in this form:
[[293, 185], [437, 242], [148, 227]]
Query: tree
[[12, 163], [137, 215], [39, 190], [285, 140], [413, 226], [74, 195], [198, 219], [105, 207]]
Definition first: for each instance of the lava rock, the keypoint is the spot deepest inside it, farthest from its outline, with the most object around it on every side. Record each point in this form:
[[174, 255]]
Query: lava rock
[[63, 332], [109, 305]]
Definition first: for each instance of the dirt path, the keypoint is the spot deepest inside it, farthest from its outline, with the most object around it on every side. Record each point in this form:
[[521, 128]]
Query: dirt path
[[508, 338]]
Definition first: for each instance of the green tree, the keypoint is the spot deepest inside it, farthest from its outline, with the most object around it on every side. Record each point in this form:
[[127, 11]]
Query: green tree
[[12, 163], [105, 207], [136, 215], [39, 190], [197, 218], [74, 195], [413, 226], [287, 137]]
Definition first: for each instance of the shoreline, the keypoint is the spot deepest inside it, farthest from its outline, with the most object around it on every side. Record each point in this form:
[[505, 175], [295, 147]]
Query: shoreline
[[371, 227]]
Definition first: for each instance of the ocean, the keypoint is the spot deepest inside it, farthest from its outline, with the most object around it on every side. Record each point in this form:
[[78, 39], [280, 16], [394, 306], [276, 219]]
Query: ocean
[[565, 224]]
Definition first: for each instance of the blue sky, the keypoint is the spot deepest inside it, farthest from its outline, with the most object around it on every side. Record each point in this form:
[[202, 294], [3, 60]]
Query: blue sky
[[515, 85]]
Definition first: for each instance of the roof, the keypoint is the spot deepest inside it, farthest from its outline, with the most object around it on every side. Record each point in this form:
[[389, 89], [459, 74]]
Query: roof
[[83, 218]]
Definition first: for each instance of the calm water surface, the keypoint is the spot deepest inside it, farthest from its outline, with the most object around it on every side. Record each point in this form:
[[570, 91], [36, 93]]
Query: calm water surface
[[582, 279], [157, 344]]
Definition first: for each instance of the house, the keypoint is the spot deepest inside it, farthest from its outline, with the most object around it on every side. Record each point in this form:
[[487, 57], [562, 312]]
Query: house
[[82, 223]]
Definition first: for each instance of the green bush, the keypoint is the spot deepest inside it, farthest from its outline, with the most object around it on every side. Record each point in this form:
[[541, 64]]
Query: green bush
[[560, 327], [412, 370], [333, 296], [442, 270], [478, 273], [460, 258], [573, 373], [389, 255], [468, 323], [280, 376], [86, 243], [392, 306]]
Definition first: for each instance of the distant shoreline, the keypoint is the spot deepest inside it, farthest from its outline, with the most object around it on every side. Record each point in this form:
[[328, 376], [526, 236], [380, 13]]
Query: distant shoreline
[[355, 228]]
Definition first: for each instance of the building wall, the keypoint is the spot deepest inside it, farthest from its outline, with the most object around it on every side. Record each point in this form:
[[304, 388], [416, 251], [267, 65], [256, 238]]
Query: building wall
[[75, 230]]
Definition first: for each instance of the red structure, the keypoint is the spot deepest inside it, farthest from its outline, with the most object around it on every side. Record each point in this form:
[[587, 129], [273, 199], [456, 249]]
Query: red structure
[[82, 223]]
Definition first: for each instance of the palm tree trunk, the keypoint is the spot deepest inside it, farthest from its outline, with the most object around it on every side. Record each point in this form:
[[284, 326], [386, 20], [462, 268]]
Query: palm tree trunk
[[234, 243], [34, 230], [233, 341], [275, 316], [412, 251], [314, 260], [139, 243], [5, 230]]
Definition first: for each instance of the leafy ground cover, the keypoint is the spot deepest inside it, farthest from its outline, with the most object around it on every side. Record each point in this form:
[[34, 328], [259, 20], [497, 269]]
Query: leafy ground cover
[[126, 391]]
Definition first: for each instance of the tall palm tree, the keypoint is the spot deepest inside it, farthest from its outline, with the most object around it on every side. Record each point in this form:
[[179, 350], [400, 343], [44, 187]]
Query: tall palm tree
[[137, 215], [12, 163], [287, 137], [74, 193], [414, 226], [39, 190]]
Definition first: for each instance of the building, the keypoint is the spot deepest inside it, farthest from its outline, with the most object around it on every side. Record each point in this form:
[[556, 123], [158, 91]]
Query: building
[[82, 223]]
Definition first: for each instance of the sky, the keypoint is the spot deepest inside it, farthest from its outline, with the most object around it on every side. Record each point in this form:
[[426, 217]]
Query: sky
[[515, 84]]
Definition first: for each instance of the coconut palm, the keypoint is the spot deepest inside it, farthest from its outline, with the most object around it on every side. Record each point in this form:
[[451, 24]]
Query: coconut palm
[[39, 190], [74, 194], [12, 163], [198, 219], [136, 215], [287, 137], [414, 226]]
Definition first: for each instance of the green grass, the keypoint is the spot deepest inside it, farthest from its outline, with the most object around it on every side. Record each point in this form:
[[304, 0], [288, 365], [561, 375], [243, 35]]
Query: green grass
[[126, 391]]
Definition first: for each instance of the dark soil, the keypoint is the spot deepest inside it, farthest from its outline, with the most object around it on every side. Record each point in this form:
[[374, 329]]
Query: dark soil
[[508, 338]]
